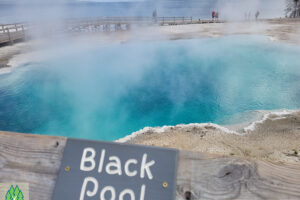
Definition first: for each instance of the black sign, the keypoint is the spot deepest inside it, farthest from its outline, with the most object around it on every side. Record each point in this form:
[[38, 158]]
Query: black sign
[[114, 171]]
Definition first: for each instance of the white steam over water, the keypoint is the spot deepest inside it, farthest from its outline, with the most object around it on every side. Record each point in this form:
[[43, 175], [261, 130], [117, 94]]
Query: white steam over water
[[48, 17], [108, 91], [53, 11], [236, 9]]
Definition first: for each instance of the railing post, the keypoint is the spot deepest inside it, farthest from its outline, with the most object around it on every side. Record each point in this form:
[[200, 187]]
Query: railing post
[[127, 26], [9, 36], [191, 19], [23, 31]]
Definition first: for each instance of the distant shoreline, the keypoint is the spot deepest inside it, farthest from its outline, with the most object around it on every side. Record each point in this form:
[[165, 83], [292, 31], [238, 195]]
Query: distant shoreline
[[284, 30]]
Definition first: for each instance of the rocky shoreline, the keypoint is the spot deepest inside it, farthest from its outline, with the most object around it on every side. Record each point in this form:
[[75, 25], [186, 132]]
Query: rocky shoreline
[[8, 52], [277, 138]]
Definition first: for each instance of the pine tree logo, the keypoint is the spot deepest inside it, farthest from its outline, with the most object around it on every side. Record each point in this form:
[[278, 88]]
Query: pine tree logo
[[14, 193]]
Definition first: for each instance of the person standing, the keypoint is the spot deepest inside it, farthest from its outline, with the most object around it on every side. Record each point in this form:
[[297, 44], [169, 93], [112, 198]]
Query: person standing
[[213, 14], [154, 15], [257, 15]]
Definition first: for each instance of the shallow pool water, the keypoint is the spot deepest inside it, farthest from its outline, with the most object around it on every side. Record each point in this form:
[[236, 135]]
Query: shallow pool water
[[113, 90]]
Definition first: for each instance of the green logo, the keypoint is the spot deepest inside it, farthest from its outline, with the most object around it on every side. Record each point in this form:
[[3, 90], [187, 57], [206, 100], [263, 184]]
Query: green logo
[[14, 193]]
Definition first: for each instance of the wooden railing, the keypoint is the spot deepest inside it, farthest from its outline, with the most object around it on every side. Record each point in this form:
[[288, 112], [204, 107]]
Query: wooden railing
[[36, 159], [132, 20], [9, 33], [12, 32], [124, 23]]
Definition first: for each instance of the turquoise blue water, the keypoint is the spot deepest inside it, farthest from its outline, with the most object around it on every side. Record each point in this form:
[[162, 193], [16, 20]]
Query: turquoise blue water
[[111, 91]]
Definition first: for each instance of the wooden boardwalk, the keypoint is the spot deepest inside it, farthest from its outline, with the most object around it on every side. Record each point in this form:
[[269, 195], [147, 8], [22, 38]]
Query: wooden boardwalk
[[9, 33], [36, 159], [110, 24]]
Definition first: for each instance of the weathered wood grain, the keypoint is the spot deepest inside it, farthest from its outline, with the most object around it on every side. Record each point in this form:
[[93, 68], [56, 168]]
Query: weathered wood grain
[[36, 160], [231, 178], [32, 159]]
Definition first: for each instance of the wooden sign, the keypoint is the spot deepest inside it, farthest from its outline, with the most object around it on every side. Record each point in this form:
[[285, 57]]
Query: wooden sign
[[114, 171]]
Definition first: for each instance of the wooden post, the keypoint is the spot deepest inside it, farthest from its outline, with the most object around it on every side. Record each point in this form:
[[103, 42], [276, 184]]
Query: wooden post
[[23, 31], [191, 20], [9, 36], [127, 27], [118, 27], [107, 27]]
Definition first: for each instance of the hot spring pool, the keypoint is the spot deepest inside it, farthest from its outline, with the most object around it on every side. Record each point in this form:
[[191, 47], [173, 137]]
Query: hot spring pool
[[111, 91]]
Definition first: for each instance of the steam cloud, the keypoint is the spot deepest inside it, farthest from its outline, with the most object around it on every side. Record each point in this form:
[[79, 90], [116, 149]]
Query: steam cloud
[[236, 9]]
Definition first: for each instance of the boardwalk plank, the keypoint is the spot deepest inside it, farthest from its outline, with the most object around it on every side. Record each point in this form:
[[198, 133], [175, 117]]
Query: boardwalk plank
[[36, 159]]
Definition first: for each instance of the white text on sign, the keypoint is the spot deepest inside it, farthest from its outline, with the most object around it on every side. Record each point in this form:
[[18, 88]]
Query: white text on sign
[[130, 168]]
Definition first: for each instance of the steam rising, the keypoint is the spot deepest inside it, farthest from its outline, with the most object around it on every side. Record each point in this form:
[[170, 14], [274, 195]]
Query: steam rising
[[40, 10], [87, 88], [48, 16], [108, 92], [236, 9]]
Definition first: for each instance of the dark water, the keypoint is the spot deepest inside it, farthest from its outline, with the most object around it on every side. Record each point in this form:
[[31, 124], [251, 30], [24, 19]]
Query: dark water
[[108, 92]]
